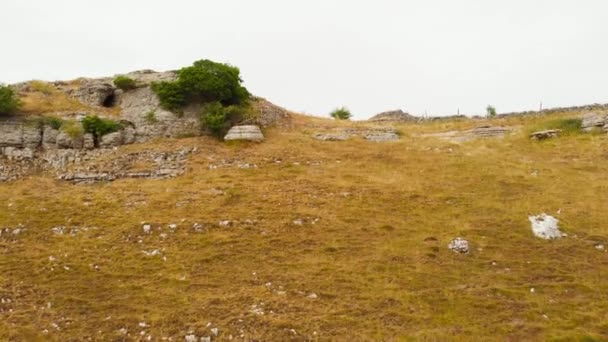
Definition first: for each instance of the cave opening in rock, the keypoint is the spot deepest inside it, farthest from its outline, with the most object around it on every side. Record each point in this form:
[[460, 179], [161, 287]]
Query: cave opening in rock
[[109, 101]]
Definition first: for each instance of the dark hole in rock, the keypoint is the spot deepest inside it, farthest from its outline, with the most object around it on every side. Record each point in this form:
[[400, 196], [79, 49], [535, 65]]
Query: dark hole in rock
[[109, 101]]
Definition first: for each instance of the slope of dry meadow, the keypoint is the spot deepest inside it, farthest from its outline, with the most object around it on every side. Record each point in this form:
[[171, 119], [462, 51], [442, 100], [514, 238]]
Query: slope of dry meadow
[[295, 239]]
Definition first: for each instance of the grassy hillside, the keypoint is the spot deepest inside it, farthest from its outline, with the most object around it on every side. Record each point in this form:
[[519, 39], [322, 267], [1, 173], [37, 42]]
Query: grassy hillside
[[342, 241]]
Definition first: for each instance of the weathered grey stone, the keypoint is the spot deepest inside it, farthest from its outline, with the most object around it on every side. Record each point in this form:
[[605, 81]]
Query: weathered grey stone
[[111, 140], [246, 132], [49, 137], [393, 116], [14, 153], [65, 141], [382, 136], [332, 136], [546, 134], [593, 121], [88, 141], [268, 114], [19, 134], [94, 92]]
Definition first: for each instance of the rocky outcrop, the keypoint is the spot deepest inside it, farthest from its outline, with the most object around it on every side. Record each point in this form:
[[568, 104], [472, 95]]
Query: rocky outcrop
[[20, 134], [371, 134], [245, 132], [593, 121], [94, 92], [472, 134], [546, 134], [267, 113], [393, 116]]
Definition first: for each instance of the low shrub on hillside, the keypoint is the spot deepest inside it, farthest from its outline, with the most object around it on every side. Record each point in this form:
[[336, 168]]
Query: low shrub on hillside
[[99, 126], [125, 83], [567, 126], [50, 121], [218, 118], [341, 114], [9, 101], [203, 82], [151, 117]]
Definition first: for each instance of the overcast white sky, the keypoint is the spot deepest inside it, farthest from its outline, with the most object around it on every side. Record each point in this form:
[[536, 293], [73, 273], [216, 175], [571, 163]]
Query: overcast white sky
[[431, 56]]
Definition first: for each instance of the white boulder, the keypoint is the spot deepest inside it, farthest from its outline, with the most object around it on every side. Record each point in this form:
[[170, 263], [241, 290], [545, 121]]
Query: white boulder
[[245, 132], [546, 227]]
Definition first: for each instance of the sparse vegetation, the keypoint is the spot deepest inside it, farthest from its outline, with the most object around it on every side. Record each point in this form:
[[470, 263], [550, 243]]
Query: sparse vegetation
[[125, 83], [204, 82], [376, 258], [73, 128], [99, 126], [568, 126], [49, 121], [151, 117], [490, 111], [341, 113], [9, 101], [42, 87]]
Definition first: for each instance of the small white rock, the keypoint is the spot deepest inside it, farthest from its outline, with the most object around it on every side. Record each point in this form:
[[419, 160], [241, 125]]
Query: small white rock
[[600, 247], [215, 331], [546, 227], [313, 296], [147, 228], [191, 338], [459, 245]]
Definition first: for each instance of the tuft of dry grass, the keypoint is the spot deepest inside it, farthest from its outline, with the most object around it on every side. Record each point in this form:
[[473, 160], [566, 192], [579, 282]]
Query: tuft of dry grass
[[363, 226]]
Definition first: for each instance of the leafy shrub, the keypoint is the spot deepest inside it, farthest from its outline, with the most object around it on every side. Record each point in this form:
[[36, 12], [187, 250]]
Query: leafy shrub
[[125, 83], [151, 117], [490, 111], [51, 121], [341, 114], [98, 126], [205, 82], [218, 119], [170, 95], [9, 102]]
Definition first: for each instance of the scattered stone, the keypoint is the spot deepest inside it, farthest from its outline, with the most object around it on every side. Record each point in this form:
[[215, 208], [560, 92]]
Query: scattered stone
[[331, 137], [382, 136], [215, 331], [147, 228], [600, 247], [173, 226], [312, 296], [191, 338], [546, 227], [246, 132], [546, 134], [459, 245]]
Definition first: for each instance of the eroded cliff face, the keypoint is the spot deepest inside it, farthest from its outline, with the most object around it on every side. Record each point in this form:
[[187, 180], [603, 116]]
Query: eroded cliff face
[[30, 142]]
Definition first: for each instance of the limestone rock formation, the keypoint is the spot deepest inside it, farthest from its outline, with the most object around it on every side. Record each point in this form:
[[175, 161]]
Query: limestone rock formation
[[546, 134], [95, 92], [19, 134], [393, 116], [267, 113], [245, 132], [382, 136], [593, 121]]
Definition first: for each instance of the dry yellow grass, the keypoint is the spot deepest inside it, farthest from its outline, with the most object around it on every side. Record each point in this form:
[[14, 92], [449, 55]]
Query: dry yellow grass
[[46, 99], [376, 221]]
